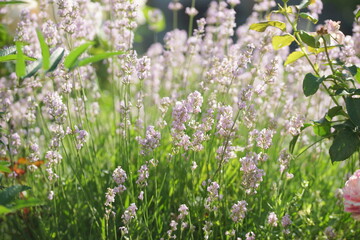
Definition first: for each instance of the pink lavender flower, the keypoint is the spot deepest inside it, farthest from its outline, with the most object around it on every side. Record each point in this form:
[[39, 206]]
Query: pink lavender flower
[[264, 138], [183, 210], [252, 175], [110, 197], [330, 233], [294, 124], [272, 219], [250, 236], [51, 195], [143, 176], [286, 221], [238, 211], [130, 213], [151, 140], [213, 196], [352, 195]]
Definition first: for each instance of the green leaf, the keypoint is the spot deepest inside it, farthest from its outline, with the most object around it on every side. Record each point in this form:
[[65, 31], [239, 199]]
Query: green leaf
[[4, 210], [155, 18], [353, 109], [4, 169], [33, 68], [293, 143], [23, 203], [282, 41], [311, 84], [4, 163], [69, 61], [45, 53], [308, 17], [335, 111], [9, 194], [261, 26], [309, 39], [12, 57], [322, 128], [304, 4], [55, 58], [7, 51], [293, 57], [20, 67], [12, 2], [345, 143], [357, 15], [97, 58]]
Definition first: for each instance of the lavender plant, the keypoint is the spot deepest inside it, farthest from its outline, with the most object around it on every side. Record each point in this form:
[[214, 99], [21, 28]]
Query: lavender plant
[[189, 140]]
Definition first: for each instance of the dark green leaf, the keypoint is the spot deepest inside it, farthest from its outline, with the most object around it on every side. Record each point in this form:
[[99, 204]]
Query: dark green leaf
[[293, 143], [55, 58], [97, 58], [345, 143], [7, 51], [69, 61], [9, 194], [261, 26], [33, 68], [353, 109], [335, 111], [308, 17], [309, 39], [311, 84], [20, 68], [45, 53]]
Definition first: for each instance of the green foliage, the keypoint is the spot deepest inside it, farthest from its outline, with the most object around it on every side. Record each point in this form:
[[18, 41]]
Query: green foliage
[[353, 109], [308, 17], [262, 26], [12, 2], [282, 41], [97, 57], [55, 59], [293, 57], [345, 144], [20, 60], [45, 53], [72, 57], [154, 18], [9, 194], [311, 84]]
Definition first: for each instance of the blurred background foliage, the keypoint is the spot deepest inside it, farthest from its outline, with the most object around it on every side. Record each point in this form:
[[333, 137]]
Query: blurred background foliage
[[337, 10]]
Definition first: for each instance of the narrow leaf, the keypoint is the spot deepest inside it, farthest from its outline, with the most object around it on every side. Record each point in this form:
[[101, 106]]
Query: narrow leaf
[[97, 58], [293, 57], [353, 109], [308, 17], [70, 59], [33, 68], [282, 41], [293, 143], [261, 26], [357, 15], [4, 210], [12, 57], [12, 2], [345, 143], [20, 68], [7, 51], [45, 53], [55, 58]]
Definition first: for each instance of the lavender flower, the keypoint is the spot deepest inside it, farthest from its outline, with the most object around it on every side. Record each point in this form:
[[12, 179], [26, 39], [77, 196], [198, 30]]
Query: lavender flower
[[238, 211]]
